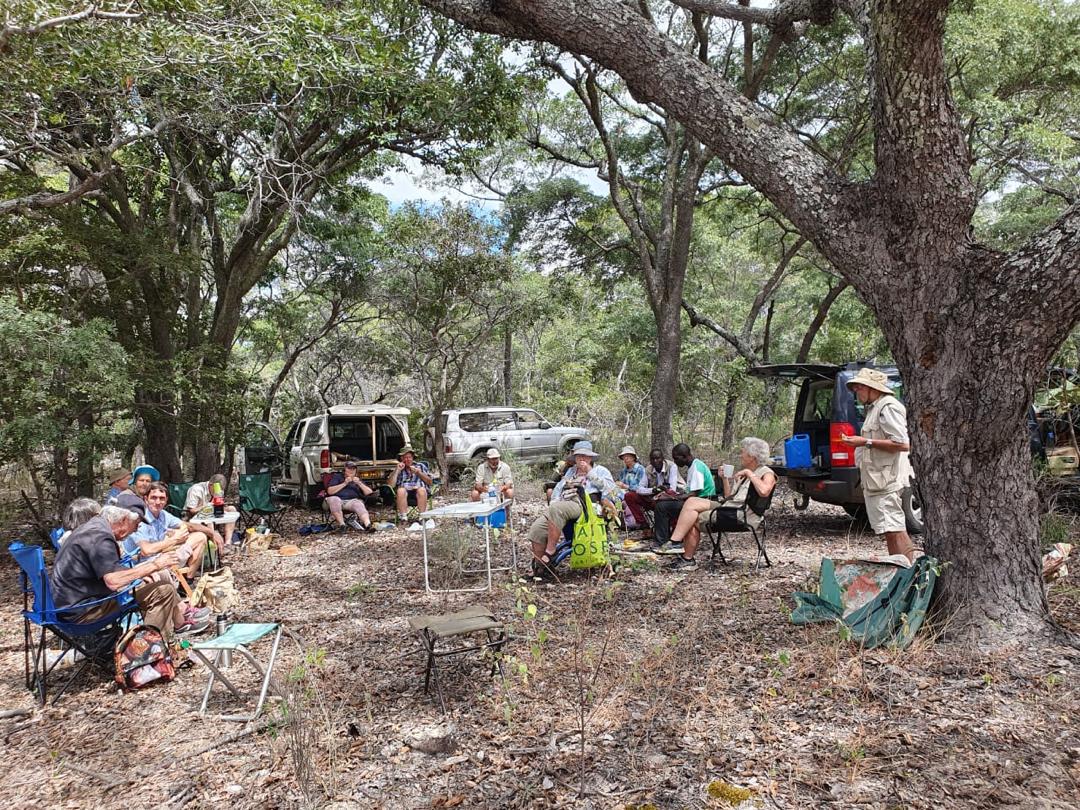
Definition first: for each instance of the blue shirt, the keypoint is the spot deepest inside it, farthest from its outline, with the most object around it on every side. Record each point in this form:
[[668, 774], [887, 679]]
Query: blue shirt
[[112, 495], [152, 532], [348, 493], [410, 480], [634, 477]]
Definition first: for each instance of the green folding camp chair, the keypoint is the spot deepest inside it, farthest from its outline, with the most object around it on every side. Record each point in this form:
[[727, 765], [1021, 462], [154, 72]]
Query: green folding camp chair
[[256, 502], [236, 640], [178, 497]]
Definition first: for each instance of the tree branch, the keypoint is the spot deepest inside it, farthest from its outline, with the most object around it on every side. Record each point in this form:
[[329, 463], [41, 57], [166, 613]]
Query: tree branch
[[49, 199]]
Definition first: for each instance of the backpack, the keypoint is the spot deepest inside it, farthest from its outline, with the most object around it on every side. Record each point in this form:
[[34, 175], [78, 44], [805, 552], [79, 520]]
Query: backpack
[[141, 657]]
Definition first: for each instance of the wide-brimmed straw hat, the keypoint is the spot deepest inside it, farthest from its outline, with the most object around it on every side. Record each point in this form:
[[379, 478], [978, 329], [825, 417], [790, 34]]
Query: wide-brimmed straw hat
[[871, 378], [583, 449], [628, 451], [404, 450]]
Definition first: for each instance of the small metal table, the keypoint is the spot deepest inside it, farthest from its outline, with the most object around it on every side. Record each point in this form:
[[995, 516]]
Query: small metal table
[[228, 518], [470, 511]]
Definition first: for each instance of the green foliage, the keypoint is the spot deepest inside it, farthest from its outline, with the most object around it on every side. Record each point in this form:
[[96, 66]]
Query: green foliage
[[62, 386]]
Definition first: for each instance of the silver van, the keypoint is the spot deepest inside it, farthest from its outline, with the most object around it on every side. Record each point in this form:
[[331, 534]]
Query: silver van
[[370, 435]]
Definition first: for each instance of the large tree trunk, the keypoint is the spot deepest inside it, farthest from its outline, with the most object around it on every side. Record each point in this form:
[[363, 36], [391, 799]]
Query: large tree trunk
[[666, 380], [160, 436]]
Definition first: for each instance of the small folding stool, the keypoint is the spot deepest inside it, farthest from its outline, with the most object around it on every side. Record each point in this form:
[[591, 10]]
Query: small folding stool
[[435, 629], [236, 640]]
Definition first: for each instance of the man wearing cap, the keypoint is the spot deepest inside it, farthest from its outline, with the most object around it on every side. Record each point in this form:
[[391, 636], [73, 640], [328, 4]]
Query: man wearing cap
[[882, 458], [118, 479], [345, 493], [565, 505], [411, 481], [493, 471], [88, 567]]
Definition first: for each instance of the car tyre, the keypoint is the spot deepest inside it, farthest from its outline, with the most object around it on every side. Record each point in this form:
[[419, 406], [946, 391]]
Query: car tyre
[[429, 445], [913, 512], [310, 493]]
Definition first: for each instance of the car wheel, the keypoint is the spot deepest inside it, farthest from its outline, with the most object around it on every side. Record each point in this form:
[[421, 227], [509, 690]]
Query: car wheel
[[429, 445], [310, 493], [913, 513]]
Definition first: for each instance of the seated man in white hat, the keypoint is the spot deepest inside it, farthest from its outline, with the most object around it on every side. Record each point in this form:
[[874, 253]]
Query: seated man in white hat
[[493, 471], [565, 504], [882, 457]]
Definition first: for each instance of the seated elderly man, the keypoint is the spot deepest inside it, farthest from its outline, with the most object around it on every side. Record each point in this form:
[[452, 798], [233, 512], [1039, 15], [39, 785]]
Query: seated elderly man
[[411, 481], [753, 453], [565, 505], [345, 493], [88, 567], [493, 471], [201, 496], [118, 479]]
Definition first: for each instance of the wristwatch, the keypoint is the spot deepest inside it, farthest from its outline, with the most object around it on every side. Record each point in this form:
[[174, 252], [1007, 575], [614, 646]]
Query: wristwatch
[[869, 443]]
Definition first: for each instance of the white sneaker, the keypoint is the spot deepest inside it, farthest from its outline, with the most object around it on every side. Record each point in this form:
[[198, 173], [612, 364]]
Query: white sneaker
[[429, 524], [416, 527]]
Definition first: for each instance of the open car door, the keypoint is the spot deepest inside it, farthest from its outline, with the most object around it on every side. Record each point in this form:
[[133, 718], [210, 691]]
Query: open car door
[[261, 450]]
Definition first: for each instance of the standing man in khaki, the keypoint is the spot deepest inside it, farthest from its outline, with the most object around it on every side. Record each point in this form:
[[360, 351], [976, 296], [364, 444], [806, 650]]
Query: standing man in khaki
[[882, 457]]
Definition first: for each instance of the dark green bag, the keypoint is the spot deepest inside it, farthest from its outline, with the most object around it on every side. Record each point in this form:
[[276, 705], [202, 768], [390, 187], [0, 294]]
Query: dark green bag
[[879, 602]]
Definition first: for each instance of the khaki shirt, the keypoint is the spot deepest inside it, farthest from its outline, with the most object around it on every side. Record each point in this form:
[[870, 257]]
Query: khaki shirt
[[883, 471], [501, 475]]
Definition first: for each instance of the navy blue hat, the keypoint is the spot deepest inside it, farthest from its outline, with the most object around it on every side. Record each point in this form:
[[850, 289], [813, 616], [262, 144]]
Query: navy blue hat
[[133, 503]]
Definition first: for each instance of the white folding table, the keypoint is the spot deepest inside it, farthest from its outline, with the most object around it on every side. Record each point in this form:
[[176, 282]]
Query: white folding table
[[471, 511]]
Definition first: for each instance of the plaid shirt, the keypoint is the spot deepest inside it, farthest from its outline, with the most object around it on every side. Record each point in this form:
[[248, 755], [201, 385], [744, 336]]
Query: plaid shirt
[[410, 480]]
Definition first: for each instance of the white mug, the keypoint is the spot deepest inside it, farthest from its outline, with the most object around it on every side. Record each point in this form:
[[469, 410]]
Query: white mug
[[729, 470]]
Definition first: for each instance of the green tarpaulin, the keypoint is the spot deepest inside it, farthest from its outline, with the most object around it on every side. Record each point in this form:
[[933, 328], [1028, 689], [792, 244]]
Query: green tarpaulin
[[880, 602]]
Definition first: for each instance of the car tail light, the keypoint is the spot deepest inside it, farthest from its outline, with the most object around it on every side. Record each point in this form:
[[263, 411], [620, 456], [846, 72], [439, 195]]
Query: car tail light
[[842, 455], [324, 459], [449, 446]]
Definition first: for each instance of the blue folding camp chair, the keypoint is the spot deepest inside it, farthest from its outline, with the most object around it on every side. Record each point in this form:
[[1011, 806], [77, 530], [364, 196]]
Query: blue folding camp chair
[[88, 640]]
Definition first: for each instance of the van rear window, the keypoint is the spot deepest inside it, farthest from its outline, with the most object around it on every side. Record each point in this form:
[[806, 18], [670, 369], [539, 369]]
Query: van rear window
[[351, 436], [819, 402]]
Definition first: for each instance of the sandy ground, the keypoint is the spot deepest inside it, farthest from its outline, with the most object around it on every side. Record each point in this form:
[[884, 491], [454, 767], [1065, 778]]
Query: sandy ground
[[688, 687]]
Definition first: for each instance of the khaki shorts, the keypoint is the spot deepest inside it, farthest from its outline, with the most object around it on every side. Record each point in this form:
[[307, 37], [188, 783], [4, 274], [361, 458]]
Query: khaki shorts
[[885, 512]]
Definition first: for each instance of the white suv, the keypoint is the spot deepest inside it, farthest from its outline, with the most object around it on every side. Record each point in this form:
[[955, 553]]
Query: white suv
[[468, 433], [370, 435]]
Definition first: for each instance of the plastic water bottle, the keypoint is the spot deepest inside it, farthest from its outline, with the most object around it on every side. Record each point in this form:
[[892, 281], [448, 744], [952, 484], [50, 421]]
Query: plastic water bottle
[[492, 495], [1050, 440], [221, 626]]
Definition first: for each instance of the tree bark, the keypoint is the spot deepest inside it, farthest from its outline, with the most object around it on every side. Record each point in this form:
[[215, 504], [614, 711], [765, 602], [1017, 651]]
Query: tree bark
[[507, 366]]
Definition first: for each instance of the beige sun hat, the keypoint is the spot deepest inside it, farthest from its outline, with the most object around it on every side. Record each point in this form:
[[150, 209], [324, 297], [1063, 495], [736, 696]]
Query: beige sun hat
[[871, 378], [628, 451], [493, 453]]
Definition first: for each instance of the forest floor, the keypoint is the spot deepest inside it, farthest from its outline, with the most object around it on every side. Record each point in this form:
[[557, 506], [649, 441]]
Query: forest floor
[[688, 687]]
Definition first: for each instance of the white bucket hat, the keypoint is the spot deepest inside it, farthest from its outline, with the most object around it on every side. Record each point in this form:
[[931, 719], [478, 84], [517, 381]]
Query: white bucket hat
[[871, 378], [628, 451]]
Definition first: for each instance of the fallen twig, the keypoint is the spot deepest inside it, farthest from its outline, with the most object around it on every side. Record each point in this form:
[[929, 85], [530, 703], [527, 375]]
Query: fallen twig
[[6, 713]]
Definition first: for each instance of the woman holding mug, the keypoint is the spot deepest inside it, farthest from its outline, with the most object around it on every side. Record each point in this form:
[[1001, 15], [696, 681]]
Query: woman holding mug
[[753, 453]]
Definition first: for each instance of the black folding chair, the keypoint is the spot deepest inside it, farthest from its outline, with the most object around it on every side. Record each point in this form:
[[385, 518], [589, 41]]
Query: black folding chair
[[756, 504]]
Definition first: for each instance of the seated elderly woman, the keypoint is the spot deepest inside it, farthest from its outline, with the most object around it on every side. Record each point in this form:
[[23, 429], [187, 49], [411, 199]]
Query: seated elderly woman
[[753, 453]]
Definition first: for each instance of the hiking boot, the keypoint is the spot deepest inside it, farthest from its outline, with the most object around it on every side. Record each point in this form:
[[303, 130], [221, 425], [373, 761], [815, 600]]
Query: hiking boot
[[353, 523], [682, 564], [196, 614], [669, 548], [190, 628]]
